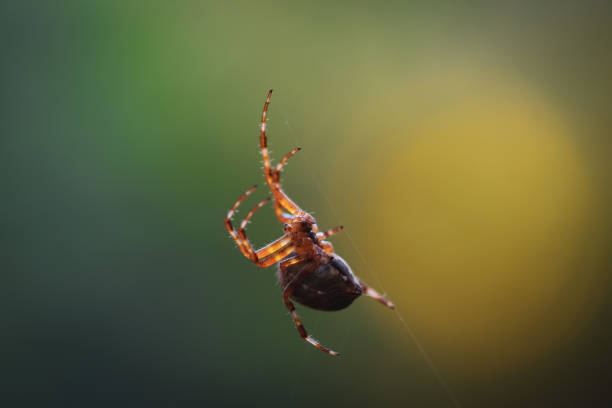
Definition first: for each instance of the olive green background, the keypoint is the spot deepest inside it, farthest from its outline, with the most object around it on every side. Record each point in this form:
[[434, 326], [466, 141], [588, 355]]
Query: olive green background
[[465, 148]]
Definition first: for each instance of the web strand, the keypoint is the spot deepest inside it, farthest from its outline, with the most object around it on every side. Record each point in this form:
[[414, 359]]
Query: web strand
[[433, 367]]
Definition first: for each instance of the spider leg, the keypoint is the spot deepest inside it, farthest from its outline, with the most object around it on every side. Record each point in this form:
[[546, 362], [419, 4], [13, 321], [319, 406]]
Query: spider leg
[[230, 227], [368, 291], [266, 256], [279, 194], [328, 233], [282, 216], [275, 257], [243, 224], [327, 246], [278, 208], [273, 247], [280, 165], [287, 292], [270, 256], [271, 253]]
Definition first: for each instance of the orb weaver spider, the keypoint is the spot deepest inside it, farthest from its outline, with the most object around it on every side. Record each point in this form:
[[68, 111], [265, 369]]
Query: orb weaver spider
[[309, 271]]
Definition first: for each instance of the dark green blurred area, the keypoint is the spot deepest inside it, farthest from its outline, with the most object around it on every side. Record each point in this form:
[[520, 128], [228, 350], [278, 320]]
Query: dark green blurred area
[[129, 129]]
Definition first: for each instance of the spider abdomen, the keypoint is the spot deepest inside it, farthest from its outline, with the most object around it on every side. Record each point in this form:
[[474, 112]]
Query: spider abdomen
[[330, 286]]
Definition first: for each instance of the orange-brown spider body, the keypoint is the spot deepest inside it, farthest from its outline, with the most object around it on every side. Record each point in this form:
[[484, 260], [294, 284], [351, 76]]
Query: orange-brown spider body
[[309, 271]]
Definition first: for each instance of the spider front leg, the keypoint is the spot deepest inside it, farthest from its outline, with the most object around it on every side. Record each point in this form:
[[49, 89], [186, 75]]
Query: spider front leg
[[243, 224], [228, 223], [281, 164], [287, 292], [326, 245], [329, 233], [266, 256], [278, 208], [279, 195]]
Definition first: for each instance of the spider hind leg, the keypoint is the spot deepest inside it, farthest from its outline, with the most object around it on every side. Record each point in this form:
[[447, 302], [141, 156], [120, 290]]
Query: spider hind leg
[[288, 289], [368, 291], [302, 330]]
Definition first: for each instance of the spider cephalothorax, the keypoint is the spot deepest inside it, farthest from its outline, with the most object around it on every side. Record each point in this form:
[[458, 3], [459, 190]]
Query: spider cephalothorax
[[303, 230], [308, 269]]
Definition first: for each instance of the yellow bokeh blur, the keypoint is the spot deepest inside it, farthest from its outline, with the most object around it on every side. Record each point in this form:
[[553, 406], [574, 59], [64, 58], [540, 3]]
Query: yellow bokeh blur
[[478, 210]]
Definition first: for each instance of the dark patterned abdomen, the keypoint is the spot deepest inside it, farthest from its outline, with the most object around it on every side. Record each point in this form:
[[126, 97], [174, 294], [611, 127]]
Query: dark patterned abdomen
[[330, 286]]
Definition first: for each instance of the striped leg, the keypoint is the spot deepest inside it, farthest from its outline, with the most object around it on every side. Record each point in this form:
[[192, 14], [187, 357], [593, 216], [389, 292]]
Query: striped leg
[[328, 233], [282, 216], [302, 331], [275, 257], [228, 223], [243, 224], [278, 208], [368, 291], [327, 246], [279, 194], [273, 247], [269, 254], [281, 164], [287, 292]]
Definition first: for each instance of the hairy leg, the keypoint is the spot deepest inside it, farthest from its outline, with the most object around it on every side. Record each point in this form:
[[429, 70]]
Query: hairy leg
[[230, 227], [287, 292], [368, 291], [279, 194], [329, 233], [266, 256], [278, 208]]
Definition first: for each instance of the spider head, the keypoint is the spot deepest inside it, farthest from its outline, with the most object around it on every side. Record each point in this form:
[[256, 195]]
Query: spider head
[[301, 222]]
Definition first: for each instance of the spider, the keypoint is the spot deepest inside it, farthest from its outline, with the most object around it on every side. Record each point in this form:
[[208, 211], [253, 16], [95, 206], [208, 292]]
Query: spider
[[309, 271]]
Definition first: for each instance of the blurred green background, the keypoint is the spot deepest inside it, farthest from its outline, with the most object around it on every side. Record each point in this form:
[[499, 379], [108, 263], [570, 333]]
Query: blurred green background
[[465, 148]]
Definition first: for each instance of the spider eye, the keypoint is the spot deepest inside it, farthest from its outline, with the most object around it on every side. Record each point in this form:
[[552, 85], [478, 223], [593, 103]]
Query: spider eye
[[305, 224]]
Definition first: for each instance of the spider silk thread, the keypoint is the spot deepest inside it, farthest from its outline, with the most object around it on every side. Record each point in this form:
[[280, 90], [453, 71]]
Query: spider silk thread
[[375, 274]]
